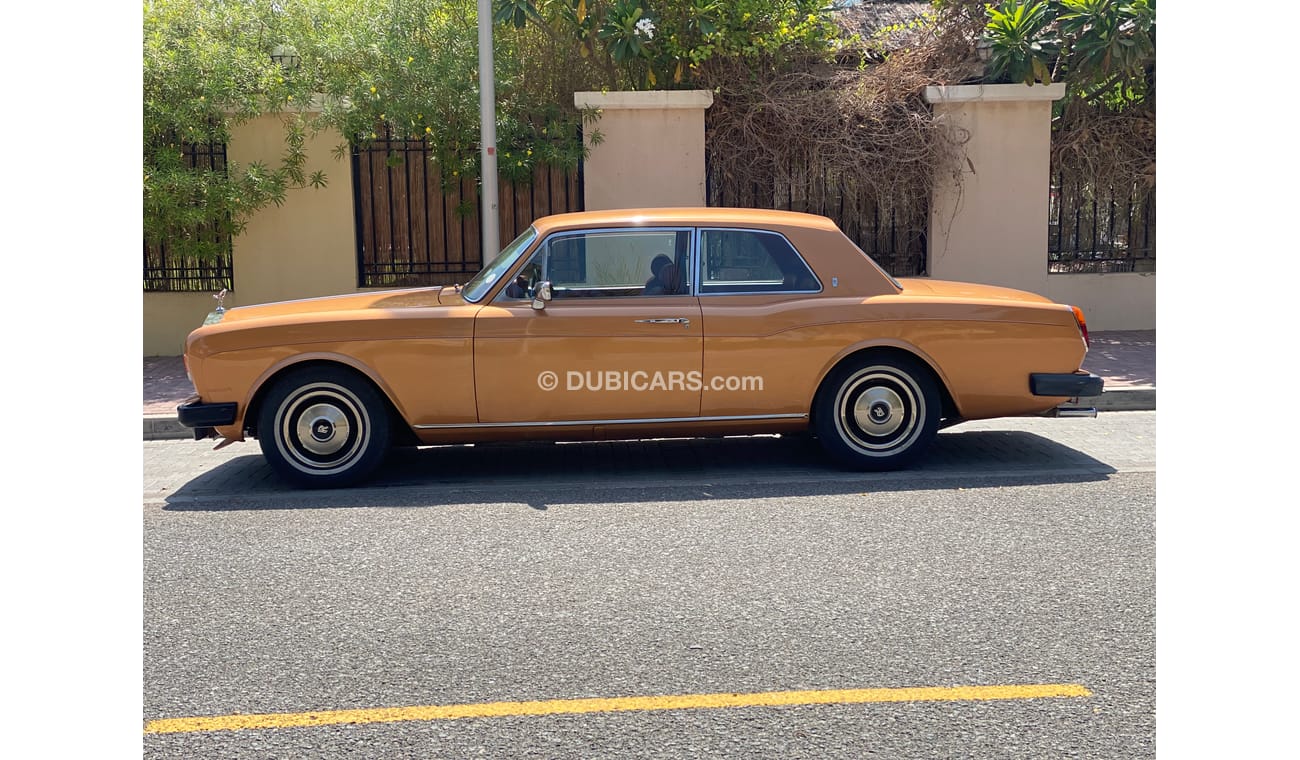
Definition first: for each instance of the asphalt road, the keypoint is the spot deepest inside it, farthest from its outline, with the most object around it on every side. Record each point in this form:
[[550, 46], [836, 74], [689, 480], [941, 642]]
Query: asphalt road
[[1023, 552]]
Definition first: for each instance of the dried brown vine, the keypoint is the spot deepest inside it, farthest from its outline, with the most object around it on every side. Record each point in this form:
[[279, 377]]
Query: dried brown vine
[[865, 124], [864, 120], [1114, 149]]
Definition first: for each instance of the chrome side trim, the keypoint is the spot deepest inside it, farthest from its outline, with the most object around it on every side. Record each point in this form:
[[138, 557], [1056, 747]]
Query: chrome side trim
[[650, 420], [664, 321]]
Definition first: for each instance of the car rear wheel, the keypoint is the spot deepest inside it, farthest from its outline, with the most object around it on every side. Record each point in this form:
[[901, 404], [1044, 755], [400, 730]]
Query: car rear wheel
[[323, 427], [877, 413]]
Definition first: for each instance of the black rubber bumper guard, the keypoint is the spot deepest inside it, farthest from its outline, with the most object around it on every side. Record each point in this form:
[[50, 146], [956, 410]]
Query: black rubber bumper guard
[[1073, 385], [204, 417]]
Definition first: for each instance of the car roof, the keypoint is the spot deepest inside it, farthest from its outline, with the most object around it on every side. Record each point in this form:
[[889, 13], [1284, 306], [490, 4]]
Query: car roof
[[695, 216]]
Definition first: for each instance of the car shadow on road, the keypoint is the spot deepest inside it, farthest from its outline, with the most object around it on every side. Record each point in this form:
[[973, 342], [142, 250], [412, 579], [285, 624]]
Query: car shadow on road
[[548, 474]]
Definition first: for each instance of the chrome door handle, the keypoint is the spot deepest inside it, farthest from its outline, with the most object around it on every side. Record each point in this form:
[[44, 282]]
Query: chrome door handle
[[683, 321]]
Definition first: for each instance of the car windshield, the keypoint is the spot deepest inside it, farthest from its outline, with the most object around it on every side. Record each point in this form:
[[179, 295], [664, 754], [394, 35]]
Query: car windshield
[[476, 288]]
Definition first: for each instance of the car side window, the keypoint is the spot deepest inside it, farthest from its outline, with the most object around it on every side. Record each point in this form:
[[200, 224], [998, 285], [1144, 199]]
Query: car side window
[[608, 264], [752, 261]]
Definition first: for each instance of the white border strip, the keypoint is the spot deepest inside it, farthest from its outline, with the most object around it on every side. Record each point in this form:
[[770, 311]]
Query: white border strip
[[994, 93], [649, 99]]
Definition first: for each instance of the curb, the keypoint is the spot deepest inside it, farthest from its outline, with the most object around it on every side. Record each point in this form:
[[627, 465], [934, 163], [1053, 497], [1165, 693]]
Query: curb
[[165, 427], [1135, 399]]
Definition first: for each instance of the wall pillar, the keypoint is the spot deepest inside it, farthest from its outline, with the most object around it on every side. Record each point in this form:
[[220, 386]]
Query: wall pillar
[[304, 248], [308, 246], [991, 227], [652, 154]]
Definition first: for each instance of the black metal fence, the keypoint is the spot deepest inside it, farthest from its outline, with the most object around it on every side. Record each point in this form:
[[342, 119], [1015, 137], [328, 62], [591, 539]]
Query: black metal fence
[[1098, 230], [892, 230], [414, 228], [165, 270]]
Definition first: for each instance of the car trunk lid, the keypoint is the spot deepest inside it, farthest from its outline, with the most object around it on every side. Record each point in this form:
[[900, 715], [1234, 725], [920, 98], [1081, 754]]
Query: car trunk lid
[[949, 289]]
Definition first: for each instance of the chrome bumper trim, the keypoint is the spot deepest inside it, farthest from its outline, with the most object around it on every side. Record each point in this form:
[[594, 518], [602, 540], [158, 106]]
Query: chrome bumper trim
[[1073, 411]]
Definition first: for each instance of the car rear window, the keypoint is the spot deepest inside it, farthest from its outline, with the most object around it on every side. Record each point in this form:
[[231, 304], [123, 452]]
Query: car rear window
[[752, 261]]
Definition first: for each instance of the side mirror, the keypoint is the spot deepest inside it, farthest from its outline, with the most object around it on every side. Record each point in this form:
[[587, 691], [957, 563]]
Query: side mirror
[[541, 294]]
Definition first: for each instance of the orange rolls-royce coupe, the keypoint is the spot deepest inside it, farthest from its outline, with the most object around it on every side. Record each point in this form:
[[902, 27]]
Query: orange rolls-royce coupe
[[643, 323]]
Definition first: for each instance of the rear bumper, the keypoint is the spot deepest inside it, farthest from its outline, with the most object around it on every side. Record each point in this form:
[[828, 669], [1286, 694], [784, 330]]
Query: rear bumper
[[1069, 385], [1072, 385], [195, 414]]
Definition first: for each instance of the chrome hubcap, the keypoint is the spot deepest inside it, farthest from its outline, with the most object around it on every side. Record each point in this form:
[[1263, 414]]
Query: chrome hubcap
[[323, 428], [881, 410], [878, 411]]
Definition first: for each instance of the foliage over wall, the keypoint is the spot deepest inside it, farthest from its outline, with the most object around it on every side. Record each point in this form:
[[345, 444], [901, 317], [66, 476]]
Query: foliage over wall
[[864, 115], [662, 44], [1105, 53], [207, 66], [791, 80], [363, 66], [859, 115], [411, 67]]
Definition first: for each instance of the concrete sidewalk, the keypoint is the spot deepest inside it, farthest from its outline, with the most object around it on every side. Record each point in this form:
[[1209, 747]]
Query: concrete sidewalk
[[1126, 359]]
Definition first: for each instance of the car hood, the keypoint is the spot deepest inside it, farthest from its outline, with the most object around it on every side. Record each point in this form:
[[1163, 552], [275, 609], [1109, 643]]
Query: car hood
[[950, 289], [382, 299]]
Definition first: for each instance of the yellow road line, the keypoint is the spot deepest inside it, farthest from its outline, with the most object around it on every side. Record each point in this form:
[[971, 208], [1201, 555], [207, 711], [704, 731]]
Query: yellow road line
[[615, 704]]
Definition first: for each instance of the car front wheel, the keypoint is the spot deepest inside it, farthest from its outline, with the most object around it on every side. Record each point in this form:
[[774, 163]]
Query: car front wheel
[[323, 427], [877, 413]]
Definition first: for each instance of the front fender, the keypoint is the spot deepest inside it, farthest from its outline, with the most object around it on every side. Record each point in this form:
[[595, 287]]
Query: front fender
[[254, 374], [321, 356]]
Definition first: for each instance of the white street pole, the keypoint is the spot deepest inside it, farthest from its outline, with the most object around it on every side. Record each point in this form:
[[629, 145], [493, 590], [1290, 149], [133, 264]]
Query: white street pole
[[487, 112]]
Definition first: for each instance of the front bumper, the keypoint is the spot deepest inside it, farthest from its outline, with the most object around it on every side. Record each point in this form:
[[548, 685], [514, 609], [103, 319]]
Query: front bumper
[[203, 417], [1070, 385]]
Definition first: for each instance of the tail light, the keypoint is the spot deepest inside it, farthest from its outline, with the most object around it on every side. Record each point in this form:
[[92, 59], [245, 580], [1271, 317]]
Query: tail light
[[1083, 324]]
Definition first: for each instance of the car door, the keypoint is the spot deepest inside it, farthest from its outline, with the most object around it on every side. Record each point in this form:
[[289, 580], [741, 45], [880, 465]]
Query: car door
[[621, 338], [763, 339]]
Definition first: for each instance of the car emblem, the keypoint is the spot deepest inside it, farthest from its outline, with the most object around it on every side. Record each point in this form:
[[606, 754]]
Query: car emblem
[[221, 301]]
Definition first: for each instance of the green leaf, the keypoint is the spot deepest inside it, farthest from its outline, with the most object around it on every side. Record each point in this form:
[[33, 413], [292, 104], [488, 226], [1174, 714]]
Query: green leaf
[[1041, 71]]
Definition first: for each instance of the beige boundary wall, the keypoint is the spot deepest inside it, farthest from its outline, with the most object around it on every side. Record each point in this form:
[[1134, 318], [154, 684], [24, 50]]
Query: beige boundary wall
[[652, 154], [303, 249], [169, 317], [992, 226], [1120, 301]]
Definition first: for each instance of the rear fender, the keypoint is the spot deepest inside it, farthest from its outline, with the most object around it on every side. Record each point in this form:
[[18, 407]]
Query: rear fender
[[895, 344]]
